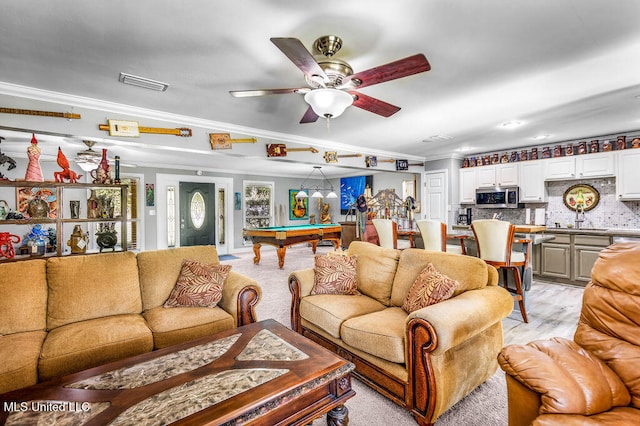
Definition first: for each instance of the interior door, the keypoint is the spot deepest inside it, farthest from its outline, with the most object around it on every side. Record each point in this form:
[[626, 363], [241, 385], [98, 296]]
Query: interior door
[[435, 196], [197, 213]]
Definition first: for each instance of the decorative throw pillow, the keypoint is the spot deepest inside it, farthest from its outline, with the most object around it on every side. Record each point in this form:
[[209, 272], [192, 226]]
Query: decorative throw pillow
[[335, 275], [430, 287], [199, 284]]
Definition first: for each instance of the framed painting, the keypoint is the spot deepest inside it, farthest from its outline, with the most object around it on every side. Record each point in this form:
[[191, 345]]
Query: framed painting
[[350, 188], [25, 194], [298, 207], [150, 195], [583, 194], [237, 201]]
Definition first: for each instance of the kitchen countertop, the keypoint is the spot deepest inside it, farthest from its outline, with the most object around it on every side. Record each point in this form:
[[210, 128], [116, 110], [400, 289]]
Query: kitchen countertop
[[612, 232]]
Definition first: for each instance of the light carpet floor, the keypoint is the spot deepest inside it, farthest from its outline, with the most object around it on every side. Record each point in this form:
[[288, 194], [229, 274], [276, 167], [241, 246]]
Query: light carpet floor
[[553, 311]]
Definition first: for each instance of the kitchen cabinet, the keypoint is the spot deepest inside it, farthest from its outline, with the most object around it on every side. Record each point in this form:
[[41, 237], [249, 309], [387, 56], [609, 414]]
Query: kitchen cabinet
[[627, 182], [560, 168], [468, 185], [581, 166], [555, 257], [570, 257], [595, 165], [497, 175], [59, 217], [532, 187]]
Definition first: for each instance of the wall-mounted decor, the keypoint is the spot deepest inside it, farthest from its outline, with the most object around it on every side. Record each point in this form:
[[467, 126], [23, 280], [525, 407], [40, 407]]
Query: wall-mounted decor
[[581, 195], [149, 191], [281, 150], [29, 200], [131, 129], [350, 188], [67, 115], [224, 141], [298, 207], [371, 161], [237, 201], [332, 156], [402, 165]]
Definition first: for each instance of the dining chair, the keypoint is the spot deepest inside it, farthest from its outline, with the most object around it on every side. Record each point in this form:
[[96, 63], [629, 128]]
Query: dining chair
[[494, 240], [434, 237], [387, 231]]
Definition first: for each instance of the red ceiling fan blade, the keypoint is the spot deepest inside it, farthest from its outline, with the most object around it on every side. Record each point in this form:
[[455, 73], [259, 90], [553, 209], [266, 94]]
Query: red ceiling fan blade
[[263, 92], [402, 68], [373, 105], [309, 117], [300, 56]]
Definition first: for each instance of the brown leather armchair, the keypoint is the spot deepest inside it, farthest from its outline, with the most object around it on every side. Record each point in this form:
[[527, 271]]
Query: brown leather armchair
[[594, 379]]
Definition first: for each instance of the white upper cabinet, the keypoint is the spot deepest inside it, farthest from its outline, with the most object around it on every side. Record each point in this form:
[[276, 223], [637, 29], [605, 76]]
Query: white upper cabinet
[[468, 185], [532, 187], [497, 175], [595, 165], [581, 166], [560, 168], [628, 176]]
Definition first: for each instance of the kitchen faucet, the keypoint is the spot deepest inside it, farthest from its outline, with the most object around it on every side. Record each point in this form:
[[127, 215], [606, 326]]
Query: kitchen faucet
[[579, 211]]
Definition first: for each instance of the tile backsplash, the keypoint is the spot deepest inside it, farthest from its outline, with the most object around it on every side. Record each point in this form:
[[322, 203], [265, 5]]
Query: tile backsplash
[[609, 213]]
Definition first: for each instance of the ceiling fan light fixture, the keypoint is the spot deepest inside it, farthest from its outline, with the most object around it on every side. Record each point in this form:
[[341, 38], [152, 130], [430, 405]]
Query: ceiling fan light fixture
[[328, 103]]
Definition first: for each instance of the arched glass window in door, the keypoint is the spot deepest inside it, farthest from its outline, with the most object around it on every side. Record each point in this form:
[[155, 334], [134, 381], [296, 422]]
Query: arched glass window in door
[[197, 210]]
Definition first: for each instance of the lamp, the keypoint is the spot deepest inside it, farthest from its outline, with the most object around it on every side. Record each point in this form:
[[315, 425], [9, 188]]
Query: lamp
[[316, 193], [327, 102]]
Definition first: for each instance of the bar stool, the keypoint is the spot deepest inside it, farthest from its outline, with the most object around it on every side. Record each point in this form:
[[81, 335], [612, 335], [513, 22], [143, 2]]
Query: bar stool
[[494, 239], [387, 232], [434, 236]]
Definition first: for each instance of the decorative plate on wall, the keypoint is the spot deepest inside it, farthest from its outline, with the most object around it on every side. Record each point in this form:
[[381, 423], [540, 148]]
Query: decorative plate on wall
[[581, 193]]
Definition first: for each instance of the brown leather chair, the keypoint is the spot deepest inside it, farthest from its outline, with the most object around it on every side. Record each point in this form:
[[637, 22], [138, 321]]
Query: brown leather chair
[[594, 379]]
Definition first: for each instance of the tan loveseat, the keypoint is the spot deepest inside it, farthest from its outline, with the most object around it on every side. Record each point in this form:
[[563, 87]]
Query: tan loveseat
[[594, 379], [66, 314], [427, 360]]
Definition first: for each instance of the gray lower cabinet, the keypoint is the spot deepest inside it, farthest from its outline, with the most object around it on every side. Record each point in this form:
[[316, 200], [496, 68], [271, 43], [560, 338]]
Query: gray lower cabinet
[[570, 257]]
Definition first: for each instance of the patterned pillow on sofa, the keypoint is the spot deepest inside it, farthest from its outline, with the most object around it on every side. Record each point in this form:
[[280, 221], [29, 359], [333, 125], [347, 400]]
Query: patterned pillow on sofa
[[199, 285], [335, 275], [430, 287]]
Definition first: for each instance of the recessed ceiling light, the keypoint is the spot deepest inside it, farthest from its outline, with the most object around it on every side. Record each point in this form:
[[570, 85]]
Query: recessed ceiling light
[[511, 124], [144, 82], [464, 148], [539, 137]]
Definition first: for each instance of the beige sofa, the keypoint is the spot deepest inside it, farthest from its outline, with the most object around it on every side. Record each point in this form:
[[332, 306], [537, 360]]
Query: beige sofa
[[427, 360], [65, 314]]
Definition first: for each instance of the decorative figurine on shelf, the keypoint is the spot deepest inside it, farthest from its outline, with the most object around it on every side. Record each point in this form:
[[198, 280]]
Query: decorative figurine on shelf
[[4, 209], [103, 173], [5, 159], [7, 240], [93, 206], [66, 172], [37, 241], [34, 172], [78, 241], [106, 236], [38, 208], [621, 143], [635, 143], [594, 146], [568, 151], [606, 146]]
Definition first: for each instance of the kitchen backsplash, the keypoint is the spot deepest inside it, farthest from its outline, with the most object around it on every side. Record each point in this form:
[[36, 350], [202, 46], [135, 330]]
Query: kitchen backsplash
[[609, 213]]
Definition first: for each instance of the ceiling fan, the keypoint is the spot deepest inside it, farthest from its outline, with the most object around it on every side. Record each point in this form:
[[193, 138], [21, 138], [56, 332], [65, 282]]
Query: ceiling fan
[[332, 82]]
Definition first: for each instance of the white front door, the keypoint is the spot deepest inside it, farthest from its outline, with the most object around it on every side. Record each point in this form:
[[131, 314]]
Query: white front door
[[434, 198]]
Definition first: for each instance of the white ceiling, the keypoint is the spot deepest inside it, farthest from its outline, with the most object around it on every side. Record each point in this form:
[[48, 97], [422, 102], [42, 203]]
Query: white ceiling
[[566, 68]]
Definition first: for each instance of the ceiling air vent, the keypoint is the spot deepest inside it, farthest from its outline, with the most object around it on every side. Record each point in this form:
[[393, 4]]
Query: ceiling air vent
[[146, 83]]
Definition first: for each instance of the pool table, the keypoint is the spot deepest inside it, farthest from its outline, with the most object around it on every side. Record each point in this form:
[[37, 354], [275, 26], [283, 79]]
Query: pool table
[[284, 236]]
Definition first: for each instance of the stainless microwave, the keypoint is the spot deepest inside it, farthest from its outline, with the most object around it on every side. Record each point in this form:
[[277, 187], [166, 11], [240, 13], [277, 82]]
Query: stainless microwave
[[498, 198]]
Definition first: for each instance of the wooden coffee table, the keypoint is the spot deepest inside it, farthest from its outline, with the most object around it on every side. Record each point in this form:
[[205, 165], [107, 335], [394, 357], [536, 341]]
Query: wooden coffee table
[[262, 373]]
